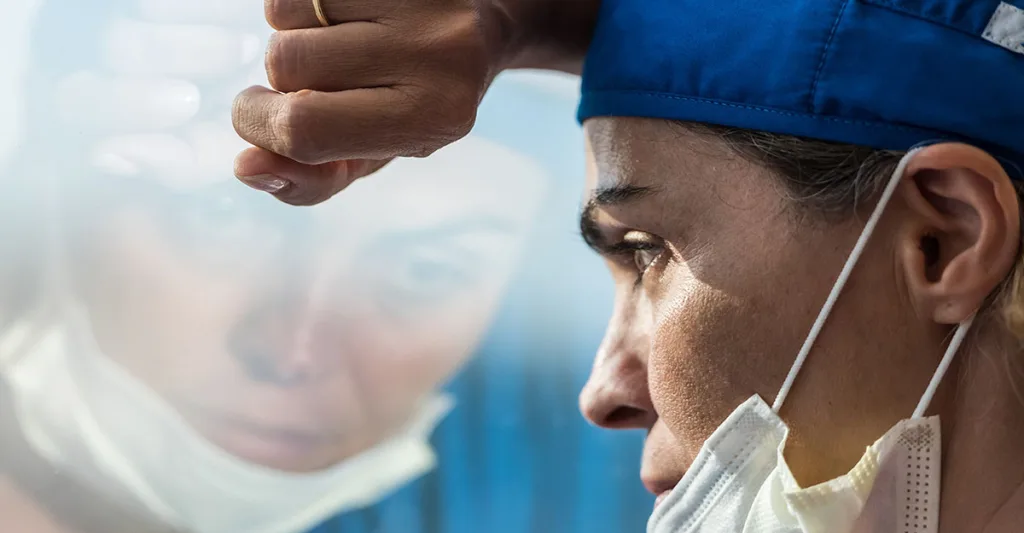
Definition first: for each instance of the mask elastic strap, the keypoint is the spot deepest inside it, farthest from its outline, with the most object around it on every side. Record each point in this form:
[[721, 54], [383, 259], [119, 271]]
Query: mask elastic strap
[[947, 358], [844, 275]]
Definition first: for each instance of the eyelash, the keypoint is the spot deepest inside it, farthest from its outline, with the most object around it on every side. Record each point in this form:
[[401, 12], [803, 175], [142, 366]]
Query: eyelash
[[628, 250]]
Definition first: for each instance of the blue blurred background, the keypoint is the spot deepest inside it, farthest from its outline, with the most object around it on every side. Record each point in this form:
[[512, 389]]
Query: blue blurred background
[[515, 455]]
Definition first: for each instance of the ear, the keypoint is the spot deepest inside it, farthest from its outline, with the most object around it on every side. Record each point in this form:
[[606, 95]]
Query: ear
[[962, 234]]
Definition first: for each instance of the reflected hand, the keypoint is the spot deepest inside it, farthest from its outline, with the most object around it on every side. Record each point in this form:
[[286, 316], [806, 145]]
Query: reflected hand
[[390, 78], [141, 109]]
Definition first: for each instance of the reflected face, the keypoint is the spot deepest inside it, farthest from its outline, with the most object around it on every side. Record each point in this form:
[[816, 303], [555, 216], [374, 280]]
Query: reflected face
[[718, 282], [296, 337]]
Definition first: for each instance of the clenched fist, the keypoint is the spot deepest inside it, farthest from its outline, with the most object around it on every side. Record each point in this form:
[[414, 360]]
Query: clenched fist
[[149, 104], [388, 78]]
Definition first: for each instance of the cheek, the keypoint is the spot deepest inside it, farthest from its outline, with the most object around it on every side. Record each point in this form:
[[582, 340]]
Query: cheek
[[715, 343], [412, 355], [152, 309]]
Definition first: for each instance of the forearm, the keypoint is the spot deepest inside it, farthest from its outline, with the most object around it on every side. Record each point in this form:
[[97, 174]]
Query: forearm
[[549, 34]]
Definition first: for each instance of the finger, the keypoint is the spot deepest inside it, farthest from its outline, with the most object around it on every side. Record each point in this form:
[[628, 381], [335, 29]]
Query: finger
[[238, 13], [222, 94], [296, 14], [299, 184], [316, 127], [87, 100], [164, 158], [203, 156], [344, 57], [196, 52]]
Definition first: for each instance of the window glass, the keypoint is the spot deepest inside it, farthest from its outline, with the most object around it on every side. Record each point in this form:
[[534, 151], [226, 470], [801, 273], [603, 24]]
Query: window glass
[[180, 353]]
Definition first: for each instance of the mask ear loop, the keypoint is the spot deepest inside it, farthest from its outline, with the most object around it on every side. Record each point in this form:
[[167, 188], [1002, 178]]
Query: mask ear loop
[[844, 276], [947, 358]]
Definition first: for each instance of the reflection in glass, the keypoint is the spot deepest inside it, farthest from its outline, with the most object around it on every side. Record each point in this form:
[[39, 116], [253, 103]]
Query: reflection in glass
[[181, 353]]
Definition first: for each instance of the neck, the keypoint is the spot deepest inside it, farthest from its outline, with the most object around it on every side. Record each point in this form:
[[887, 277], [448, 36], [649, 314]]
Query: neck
[[983, 426]]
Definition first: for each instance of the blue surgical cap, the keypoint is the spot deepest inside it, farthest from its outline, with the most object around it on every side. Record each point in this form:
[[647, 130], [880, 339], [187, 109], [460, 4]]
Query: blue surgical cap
[[887, 74]]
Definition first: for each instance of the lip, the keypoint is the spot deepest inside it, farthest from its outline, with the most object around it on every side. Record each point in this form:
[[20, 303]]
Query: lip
[[660, 488], [267, 445], [274, 447], [661, 498]]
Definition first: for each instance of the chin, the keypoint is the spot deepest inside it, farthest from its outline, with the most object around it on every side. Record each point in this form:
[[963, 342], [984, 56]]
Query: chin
[[277, 449]]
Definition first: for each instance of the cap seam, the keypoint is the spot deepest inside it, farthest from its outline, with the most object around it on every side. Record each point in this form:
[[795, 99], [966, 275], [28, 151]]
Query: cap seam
[[763, 109], [890, 5], [824, 56]]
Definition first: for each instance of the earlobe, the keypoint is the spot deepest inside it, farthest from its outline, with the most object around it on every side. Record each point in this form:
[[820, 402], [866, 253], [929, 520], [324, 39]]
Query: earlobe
[[963, 232]]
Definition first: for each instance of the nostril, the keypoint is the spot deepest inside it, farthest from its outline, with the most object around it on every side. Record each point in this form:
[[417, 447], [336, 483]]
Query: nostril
[[623, 416]]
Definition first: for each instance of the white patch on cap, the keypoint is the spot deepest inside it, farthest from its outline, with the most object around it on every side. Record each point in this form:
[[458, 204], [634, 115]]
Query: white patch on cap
[[1006, 28]]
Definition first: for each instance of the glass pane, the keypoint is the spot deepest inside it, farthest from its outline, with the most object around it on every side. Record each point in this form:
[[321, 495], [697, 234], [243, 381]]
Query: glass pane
[[180, 353]]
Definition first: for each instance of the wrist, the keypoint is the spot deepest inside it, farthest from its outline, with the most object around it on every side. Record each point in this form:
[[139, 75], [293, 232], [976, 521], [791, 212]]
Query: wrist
[[542, 34]]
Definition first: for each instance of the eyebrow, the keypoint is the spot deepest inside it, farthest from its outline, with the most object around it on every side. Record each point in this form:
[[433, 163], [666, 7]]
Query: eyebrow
[[603, 197], [489, 226], [448, 235], [474, 224]]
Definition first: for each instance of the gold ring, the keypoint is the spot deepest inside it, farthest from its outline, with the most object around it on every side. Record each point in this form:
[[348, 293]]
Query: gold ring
[[319, 9]]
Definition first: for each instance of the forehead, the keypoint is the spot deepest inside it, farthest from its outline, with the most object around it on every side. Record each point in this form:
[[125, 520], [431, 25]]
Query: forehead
[[690, 182], [470, 179], [474, 199], [473, 175], [651, 153]]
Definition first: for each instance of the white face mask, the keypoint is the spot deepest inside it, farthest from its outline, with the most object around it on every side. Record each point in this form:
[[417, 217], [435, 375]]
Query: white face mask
[[83, 412], [740, 481]]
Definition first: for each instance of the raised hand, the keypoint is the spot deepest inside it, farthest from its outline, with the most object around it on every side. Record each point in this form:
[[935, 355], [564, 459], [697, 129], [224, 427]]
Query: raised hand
[[389, 78], [149, 104], [386, 78]]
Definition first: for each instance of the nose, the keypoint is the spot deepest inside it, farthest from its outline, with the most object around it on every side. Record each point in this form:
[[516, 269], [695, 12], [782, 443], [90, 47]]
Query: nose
[[289, 354], [299, 334], [616, 396]]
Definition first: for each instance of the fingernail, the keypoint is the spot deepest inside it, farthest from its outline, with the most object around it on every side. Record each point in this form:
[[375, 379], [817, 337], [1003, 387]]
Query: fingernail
[[114, 164], [265, 182]]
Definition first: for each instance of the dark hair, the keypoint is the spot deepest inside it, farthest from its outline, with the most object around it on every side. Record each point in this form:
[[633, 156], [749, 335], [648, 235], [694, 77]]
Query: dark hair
[[831, 182]]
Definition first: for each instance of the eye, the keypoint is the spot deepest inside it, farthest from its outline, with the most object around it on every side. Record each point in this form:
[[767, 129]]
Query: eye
[[422, 278], [223, 228], [643, 257], [428, 276], [642, 249]]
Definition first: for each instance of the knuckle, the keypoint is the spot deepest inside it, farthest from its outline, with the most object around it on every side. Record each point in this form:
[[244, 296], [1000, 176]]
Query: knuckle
[[461, 34], [245, 115], [281, 61], [460, 126], [276, 13], [293, 129], [239, 115], [460, 107], [467, 38], [451, 115]]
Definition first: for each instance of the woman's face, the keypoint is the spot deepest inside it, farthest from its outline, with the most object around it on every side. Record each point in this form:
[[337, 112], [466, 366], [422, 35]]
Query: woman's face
[[296, 337], [719, 278]]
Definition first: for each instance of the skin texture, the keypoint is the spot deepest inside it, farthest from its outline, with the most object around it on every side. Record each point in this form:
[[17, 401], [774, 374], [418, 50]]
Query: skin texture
[[207, 273], [734, 277], [734, 274], [325, 122], [295, 352]]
